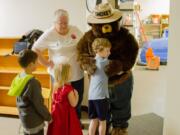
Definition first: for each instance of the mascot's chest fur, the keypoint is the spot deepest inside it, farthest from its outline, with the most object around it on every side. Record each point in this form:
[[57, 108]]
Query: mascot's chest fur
[[118, 42]]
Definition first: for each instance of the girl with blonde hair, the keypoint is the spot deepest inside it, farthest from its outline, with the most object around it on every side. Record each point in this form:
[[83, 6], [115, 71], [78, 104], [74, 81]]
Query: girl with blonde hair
[[65, 99]]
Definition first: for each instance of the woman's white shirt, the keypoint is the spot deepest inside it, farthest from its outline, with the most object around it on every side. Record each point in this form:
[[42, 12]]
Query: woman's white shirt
[[62, 48]]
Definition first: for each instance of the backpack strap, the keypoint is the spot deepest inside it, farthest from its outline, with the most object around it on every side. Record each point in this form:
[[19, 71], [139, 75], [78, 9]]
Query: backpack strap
[[18, 85]]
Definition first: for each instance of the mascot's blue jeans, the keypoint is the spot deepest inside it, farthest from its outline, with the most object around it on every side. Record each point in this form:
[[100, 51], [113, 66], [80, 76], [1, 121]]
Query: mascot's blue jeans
[[120, 103]]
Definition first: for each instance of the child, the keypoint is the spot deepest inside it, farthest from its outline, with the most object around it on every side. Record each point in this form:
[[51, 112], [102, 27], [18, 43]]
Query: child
[[30, 103], [98, 90], [65, 99]]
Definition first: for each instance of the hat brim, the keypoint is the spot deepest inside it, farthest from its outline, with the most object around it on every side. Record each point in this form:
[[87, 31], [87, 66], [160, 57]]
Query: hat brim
[[93, 20]]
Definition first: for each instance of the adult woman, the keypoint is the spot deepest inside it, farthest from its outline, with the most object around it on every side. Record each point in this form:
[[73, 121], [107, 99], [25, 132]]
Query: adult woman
[[60, 40]]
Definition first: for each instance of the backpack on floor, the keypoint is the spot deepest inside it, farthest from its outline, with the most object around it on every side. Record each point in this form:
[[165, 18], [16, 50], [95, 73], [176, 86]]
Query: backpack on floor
[[27, 41]]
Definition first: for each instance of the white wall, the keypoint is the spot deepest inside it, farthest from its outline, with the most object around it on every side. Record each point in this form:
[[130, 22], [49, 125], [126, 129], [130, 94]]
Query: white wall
[[19, 16], [153, 7], [172, 120]]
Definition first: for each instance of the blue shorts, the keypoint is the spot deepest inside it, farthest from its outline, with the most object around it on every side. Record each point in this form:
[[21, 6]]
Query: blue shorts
[[99, 109]]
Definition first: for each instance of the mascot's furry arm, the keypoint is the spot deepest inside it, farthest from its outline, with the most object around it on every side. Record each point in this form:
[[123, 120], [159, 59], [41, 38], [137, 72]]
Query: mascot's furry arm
[[123, 54], [86, 54]]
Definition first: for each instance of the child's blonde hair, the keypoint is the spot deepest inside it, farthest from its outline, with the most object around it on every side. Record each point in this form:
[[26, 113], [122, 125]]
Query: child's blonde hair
[[100, 43], [62, 74]]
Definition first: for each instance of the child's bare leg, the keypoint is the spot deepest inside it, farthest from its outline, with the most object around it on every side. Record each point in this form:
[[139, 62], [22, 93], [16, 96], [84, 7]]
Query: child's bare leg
[[93, 126], [102, 127]]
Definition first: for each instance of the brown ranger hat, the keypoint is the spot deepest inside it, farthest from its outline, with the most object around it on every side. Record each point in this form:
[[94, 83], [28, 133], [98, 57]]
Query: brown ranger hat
[[103, 13]]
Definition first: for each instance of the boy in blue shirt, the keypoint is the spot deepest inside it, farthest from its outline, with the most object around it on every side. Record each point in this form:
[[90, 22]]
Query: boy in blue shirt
[[98, 89]]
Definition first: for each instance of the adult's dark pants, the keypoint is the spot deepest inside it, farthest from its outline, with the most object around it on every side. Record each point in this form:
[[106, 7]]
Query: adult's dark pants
[[79, 86], [120, 103]]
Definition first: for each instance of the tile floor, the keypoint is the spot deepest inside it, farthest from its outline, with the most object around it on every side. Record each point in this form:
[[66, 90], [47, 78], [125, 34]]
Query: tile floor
[[148, 97]]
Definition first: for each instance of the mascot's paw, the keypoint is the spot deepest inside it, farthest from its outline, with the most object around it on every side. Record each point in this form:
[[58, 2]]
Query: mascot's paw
[[119, 131], [116, 80], [91, 69], [106, 70], [89, 65], [114, 67]]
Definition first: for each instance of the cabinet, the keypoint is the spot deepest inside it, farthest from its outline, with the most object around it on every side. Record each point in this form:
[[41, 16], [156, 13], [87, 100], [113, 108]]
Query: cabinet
[[155, 28], [9, 68]]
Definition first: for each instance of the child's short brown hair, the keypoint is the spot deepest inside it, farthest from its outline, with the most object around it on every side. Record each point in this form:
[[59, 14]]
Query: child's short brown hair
[[26, 57], [100, 43]]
